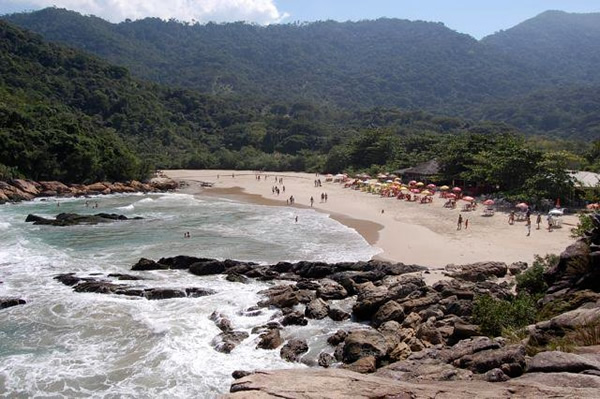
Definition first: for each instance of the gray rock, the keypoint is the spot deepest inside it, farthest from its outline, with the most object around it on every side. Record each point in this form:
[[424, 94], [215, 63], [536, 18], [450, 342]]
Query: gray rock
[[363, 343], [554, 361], [317, 309], [292, 350]]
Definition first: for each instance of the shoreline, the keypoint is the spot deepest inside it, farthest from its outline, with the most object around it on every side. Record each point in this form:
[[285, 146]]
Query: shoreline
[[410, 233]]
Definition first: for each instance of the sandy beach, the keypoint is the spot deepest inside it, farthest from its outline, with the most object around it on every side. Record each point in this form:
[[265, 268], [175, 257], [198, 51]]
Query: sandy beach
[[408, 232]]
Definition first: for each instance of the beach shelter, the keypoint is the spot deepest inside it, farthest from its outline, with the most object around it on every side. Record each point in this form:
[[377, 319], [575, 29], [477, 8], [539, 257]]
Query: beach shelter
[[456, 189], [444, 188], [522, 205], [468, 199], [488, 202]]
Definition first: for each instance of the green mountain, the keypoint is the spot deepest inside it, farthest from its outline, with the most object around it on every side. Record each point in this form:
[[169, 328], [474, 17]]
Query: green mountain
[[387, 62], [564, 43]]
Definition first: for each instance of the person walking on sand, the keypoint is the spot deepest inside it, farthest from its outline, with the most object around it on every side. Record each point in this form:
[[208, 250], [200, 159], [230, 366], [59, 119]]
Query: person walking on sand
[[459, 222], [528, 226], [538, 220], [511, 217], [312, 200], [466, 223]]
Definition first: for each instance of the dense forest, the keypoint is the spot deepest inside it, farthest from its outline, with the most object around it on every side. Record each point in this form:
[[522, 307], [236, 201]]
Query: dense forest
[[65, 114]]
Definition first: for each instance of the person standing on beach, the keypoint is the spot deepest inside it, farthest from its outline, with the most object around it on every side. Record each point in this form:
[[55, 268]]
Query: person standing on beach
[[466, 223], [460, 221], [528, 226], [538, 220], [312, 200]]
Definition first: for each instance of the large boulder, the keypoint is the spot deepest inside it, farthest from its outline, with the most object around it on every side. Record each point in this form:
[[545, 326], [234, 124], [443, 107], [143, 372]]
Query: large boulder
[[364, 365], [317, 309], [292, 350], [148, 264], [225, 342], [370, 298], [554, 361], [329, 289], [27, 186], [363, 343], [478, 271], [281, 296], [390, 311], [72, 219], [510, 359], [271, 339]]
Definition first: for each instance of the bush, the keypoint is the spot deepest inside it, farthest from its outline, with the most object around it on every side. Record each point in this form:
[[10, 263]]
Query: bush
[[532, 280], [585, 224], [493, 315]]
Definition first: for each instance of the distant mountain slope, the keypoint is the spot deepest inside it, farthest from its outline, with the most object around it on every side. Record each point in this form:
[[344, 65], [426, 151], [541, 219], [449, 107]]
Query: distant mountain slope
[[567, 44], [386, 62]]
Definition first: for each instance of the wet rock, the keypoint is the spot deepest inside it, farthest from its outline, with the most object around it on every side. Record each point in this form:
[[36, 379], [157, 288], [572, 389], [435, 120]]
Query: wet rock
[[306, 284], [237, 278], [227, 341], [337, 338], [163, 293], [292, 350], [325, 359], [208, 267], [147, 264], [72, 219], [363, 343], [120, 276], [196, 292], [222, 322], [338, 314], [329, 289], [478, 271], [69, 279], [98, 287], [7, 302], [237, 374], [294, 318], [282, 296], [317, 309], [181, 262], [270, 339]]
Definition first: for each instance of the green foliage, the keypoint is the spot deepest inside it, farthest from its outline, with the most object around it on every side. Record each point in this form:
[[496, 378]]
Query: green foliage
[[531, 281], [493, 315], [584, 225]]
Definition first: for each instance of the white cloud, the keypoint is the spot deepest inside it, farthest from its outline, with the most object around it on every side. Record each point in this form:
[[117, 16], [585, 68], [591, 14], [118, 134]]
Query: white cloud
[[257, 11]]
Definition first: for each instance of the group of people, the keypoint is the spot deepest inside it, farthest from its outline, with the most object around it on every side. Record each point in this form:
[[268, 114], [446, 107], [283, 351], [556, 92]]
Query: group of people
[[460, 221], [538, 220], [318, 183]]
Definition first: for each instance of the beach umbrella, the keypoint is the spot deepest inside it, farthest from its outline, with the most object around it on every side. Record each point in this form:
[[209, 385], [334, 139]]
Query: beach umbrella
[[488, 202], [555, 212], [444, 188], [415, 190], [593, 206], [522, 205], [451, 195], [412, 182], [456, 189], [420, 184], [431, 185], [426, 192], [467, 198], [389, 181]]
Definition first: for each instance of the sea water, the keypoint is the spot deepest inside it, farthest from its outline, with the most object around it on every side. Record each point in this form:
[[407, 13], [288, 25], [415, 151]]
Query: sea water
[[67, 344]]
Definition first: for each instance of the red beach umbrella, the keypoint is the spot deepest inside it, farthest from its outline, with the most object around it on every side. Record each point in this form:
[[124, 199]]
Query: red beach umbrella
[[468, 199], [451, 195], [412, 182], [415, 190], [488, 202], [521, 205], [457, 189], [431, 185]]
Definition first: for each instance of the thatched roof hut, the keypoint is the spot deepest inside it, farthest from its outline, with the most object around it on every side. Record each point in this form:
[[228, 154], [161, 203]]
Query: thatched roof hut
[[421, 171]]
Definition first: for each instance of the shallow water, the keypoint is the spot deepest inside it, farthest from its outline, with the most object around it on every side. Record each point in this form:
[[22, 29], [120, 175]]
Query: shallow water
[[67, 344]]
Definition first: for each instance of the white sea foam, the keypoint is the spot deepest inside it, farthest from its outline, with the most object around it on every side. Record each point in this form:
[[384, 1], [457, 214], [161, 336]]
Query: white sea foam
[[129, 207], [67, 344]]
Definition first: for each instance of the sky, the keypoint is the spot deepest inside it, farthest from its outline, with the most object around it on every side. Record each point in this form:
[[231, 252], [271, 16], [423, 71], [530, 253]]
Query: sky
[[477, 18]]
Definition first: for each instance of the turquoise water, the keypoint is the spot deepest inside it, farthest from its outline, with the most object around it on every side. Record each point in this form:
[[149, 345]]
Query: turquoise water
[[66, 344]]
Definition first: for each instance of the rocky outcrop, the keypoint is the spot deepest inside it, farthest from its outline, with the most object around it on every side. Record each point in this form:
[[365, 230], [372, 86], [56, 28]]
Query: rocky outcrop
[[339, 383], [271, 339], [479, 271], [10, 302], [554, 362], [24, 190], [292, 350], [93, 284], [72, 219]]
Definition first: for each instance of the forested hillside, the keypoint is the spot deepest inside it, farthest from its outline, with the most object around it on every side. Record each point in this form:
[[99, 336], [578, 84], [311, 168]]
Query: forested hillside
[[387, 62], [567, 44]]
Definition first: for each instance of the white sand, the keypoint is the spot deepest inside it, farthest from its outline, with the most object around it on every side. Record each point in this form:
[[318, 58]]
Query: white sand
[[407, 232]]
